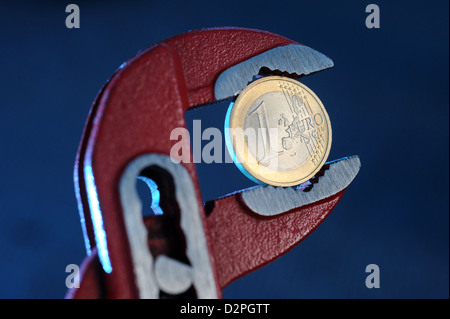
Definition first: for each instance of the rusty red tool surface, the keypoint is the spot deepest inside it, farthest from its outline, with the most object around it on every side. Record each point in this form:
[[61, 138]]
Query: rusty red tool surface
[[133, 115]]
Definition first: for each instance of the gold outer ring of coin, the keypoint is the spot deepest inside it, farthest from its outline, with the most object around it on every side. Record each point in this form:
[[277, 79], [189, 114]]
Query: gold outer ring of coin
[[303, 126]]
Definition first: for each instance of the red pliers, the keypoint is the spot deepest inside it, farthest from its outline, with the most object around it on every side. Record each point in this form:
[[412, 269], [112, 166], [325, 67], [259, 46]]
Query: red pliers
[[185, 252]]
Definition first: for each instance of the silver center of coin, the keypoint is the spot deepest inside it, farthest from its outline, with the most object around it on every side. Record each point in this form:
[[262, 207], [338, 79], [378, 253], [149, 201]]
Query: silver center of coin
[[285, 129]]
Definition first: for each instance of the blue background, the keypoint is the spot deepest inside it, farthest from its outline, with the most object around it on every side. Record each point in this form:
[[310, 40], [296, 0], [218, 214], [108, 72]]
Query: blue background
[[387, 98]]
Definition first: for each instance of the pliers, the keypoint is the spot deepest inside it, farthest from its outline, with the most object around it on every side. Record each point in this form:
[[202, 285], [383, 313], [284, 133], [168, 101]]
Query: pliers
[[190, 250]]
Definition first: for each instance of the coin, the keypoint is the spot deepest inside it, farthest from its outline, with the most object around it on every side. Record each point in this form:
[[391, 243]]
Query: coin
[[278, 132]]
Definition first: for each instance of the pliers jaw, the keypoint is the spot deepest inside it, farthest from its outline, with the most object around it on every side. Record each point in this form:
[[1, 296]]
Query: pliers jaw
[[292, 60], [127, 135]]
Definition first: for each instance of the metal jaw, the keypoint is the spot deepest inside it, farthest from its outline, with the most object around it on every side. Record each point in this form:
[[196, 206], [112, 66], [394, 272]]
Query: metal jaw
[[335, 176], [187, 254], [295, 59]]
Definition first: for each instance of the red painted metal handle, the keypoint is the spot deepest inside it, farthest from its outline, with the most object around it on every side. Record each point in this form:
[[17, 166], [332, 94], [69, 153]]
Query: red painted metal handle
[[243, 241]]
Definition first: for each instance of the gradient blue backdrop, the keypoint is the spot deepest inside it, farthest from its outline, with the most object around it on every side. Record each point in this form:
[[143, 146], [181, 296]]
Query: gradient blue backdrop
[[387, 97]]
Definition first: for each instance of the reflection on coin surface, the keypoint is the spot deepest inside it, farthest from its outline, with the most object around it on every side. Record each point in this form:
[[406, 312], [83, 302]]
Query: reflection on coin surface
[[278, 131]]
